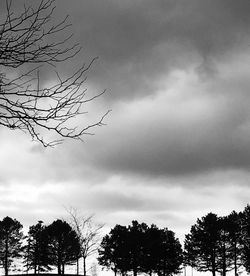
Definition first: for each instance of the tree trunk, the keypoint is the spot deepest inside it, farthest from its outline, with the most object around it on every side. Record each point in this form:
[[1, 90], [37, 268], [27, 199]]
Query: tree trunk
[[224, 271], [115, 271], [84, 266], [235, 260], [59, 259], [59, 271], [77, 267], [35, 266], [213, 263], [6, 268]]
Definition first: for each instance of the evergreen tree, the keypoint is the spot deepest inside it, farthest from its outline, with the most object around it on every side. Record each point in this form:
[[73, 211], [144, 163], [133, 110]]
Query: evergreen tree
[[202, 244], [231, 243], [136, 241], [151, 249], [225, 257], [235, 224], [169, 254], [36, 250], [10, 242], [245, 231], [140, 249], [63, 245], [113, 251]]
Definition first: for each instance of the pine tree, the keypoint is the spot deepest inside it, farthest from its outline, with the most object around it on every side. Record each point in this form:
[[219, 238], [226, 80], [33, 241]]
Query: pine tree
[[202, 244], [113, 251], [36, 250], [10, 242], [141, 249], [169, 254], [63, 245]]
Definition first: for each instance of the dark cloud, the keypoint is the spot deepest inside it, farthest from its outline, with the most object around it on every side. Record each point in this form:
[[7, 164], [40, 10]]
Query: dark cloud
[[140, 41], [178, 80], [205, 128]]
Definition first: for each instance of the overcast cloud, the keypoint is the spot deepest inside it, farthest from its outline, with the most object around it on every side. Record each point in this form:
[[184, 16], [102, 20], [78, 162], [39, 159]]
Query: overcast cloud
[[177, 142]]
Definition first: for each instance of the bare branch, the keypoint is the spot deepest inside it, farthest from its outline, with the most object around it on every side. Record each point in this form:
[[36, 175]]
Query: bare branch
[[30, 40], [88, 233]]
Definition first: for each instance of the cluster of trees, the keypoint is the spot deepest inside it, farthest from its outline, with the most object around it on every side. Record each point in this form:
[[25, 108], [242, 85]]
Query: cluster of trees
[[135, 248], [219, 244], [138, 248], [54, 245], [47, 246]]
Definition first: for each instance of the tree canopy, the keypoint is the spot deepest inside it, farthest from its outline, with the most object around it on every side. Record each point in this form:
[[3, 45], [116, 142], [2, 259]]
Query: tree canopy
[[36, 251], [63, 245], [218, 244], [141, 249], [10, 242]]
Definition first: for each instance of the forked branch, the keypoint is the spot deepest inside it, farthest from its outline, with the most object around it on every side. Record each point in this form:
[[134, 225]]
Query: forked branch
[[28, 43]]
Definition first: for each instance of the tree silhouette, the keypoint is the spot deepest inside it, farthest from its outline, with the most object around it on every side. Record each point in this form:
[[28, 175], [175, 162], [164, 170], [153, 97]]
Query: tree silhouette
[[63, 245], [151, 249], [231, 243], [215, 244], [113, 251], [136, 242], [162, 252], [36, 251], [32, 42], [169, 255], [201, 244], [88, 233], [141, 249], [10, 242], [245, 232], [225, 256], [236, 240]]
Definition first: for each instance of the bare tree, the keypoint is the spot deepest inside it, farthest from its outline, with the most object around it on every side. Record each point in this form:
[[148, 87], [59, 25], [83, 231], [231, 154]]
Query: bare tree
[[88, 234], [30, 43]]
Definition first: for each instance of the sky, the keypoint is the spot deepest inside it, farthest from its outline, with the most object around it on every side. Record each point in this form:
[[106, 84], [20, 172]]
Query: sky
[[177, 142]]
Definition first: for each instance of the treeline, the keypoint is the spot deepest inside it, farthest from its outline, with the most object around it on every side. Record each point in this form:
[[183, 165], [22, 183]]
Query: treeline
[[44, 248], [48, 247], [217, 244]]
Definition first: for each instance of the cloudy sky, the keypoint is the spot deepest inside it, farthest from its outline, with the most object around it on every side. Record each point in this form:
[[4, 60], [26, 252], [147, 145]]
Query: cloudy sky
[[177, 142]]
